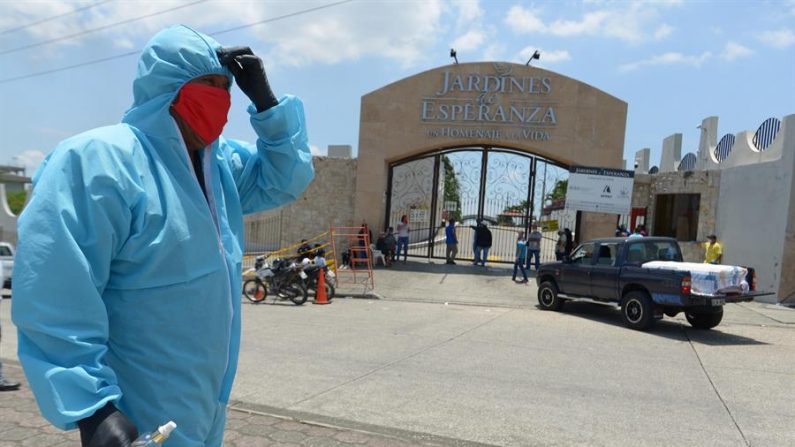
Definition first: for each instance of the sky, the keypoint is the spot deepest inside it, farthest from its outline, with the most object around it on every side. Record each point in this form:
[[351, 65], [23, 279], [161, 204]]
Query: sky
[[674, 62]]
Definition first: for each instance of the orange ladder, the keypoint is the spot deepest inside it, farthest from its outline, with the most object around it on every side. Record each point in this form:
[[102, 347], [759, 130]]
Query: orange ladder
[[360, 270]]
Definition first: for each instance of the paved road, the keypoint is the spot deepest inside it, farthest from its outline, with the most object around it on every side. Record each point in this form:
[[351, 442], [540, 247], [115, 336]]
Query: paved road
[[520, 376], [503, 372]]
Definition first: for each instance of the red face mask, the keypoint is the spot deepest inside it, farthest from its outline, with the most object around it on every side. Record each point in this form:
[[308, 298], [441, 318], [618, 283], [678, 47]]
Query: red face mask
[[203, 108]]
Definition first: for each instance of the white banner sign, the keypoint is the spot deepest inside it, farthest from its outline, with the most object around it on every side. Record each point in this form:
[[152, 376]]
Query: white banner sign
[[600, 190]]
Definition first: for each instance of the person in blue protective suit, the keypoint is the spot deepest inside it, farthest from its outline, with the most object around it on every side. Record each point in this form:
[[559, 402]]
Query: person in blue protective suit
[[128, 271]]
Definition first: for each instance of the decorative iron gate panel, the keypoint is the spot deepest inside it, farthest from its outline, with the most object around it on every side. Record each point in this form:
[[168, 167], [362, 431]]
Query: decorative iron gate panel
[[504, 188]]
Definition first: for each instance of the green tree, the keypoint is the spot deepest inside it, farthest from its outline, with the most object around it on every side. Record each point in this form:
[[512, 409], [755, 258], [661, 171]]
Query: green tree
[[16, 201], [519, 208], [559, 191], [452, 189]]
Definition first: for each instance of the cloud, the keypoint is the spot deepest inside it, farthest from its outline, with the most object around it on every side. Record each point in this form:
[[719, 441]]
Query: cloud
[[590, 24], [470, 20], [469, 41], [634, 22], [30, 159], [551, 57], [389, 30], [734, 50], [777, 39], [494, 52], [468, 12], [670, 58], [731, 51], [124, 42], [339, 33], [314, 150], [663, 31], [548, 57], [525, 21]]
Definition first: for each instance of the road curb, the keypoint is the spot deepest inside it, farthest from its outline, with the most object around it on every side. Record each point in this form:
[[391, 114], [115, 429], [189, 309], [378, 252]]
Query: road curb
[[423, 439]]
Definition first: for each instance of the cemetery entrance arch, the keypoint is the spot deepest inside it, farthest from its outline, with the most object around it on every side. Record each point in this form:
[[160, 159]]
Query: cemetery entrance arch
[[473, 140]]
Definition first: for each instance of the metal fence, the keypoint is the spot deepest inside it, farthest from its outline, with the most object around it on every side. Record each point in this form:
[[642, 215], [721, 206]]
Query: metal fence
[[263, 234]]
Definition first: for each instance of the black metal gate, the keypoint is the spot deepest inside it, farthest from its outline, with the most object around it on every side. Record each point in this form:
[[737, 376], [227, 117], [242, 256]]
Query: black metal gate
[[507, 189]]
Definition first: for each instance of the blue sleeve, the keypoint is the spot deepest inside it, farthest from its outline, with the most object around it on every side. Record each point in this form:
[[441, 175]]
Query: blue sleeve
[[279, 168], [68, 234]]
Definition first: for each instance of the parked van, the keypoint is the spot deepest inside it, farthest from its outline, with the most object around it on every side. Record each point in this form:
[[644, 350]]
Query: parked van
[[7, 258]]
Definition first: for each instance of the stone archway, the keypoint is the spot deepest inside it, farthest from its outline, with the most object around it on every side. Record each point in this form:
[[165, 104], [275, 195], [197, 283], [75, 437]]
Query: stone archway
[[527, 109]]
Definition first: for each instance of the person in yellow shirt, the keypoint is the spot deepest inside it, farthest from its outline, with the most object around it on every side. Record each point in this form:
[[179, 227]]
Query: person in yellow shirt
[[713, 250]]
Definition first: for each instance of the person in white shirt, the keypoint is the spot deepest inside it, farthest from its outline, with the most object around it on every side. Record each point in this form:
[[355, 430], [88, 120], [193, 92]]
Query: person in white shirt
[[403, 238]]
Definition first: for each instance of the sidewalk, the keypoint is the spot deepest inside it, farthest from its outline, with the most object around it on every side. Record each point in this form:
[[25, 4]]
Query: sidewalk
[[436, 282], [22, 425]]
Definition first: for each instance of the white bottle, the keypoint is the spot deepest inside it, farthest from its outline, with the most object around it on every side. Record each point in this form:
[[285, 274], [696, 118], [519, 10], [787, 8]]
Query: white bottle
[[156, 437]]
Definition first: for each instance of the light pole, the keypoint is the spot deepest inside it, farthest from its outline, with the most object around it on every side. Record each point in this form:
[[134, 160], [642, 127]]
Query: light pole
[[544, 189]]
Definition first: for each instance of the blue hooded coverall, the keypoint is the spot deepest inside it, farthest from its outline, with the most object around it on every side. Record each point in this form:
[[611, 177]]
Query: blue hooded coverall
[[127, 280]]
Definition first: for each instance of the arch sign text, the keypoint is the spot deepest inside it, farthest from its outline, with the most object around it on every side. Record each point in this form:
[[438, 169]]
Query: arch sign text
[[497, 106]]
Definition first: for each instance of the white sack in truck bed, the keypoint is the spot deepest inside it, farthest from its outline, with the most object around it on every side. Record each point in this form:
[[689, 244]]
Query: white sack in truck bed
[[708, 279]]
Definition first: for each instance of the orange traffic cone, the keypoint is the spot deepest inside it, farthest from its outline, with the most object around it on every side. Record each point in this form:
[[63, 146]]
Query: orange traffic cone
[[320, 293]]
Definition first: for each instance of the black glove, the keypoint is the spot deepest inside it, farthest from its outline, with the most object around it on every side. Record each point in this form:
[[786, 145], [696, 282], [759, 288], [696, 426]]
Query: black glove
[[250, 75], [108, 427]]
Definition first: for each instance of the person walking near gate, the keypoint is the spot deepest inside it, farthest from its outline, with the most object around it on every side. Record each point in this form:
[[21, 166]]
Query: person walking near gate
[[484, 243], [452, 242], [481, 243], [521, 254], [534, 247], [560, 246], [403, 238], [569, 245], [475, 241]]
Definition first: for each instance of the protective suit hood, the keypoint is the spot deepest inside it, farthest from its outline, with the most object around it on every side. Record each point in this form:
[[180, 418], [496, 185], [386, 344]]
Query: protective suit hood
[[171, 58]]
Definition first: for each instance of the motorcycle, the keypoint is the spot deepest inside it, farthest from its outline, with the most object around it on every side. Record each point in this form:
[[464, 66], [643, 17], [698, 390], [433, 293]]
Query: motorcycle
[[313, 274], [283, 278]]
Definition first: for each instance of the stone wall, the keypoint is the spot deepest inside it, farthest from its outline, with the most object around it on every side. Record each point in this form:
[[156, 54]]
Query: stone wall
[[328, 201], [705, 183], [641, 190]]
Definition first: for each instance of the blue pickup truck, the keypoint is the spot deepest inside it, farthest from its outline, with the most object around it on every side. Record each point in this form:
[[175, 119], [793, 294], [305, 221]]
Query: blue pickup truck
[[610, 271]]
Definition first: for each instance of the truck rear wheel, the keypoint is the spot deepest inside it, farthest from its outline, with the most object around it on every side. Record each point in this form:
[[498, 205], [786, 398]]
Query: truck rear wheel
[[548, 296], [637, 310], [705, 320]]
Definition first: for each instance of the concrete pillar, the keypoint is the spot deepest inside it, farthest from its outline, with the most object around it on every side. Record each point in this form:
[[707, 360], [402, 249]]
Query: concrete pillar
[[707, 143], [786, 288], [671, 153], [642, 161], [8, 220]]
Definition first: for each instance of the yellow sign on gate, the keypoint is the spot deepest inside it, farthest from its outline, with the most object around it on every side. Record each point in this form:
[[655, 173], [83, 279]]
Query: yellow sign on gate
[[549, 225]]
